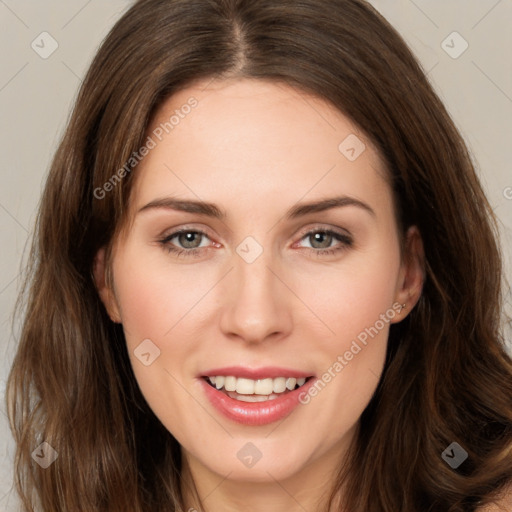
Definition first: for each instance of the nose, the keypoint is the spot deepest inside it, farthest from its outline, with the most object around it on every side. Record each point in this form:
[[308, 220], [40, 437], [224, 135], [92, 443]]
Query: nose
[[256, 304]]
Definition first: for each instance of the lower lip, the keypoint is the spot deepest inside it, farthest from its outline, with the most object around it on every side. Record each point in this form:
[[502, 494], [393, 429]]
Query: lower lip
[[255, 413]]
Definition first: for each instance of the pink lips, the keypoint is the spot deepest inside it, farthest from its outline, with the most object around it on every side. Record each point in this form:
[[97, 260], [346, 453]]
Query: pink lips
[[268, 372], [255, 413]]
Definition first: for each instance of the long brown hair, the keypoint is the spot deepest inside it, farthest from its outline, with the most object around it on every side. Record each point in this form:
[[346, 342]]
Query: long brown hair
[[447, 378]]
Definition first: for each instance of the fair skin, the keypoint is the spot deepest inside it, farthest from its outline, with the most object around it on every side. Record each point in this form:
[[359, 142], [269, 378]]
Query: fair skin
[[501, 504], [257, 149]]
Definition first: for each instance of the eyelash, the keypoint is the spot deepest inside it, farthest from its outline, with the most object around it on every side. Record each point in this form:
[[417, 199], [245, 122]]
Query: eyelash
[[346, 242]]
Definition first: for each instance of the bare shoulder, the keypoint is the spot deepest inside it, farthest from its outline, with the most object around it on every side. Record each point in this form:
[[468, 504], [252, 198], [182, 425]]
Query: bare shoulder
[[503, 502]]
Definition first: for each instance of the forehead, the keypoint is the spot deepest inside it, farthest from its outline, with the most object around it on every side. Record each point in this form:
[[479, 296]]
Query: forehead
[[255, 138]]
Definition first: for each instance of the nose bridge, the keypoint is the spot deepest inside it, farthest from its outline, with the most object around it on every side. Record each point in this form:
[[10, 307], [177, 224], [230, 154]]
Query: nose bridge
[[254, 306], [254, 280]]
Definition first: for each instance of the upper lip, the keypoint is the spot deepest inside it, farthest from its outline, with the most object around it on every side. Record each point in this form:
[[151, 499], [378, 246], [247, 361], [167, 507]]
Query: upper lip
[[266, 372]]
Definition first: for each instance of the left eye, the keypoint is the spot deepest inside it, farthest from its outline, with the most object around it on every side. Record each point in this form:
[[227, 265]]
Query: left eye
[[324, 239], [320, 239]]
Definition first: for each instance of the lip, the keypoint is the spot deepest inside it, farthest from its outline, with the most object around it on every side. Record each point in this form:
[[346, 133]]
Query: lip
[[255, 413], [267, 372]]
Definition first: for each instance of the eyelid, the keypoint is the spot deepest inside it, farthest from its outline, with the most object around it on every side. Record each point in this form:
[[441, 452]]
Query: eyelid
[[172, 232], [323, 228]]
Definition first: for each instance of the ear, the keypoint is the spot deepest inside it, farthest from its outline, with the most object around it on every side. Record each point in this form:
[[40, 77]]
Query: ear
[[412, 274], [105, 292]]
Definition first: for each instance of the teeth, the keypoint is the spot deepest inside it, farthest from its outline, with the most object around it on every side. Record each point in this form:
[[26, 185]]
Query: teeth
[[244, 386], [264, 386], [230, 383], [279, 385], [290, 383], [249, 387]]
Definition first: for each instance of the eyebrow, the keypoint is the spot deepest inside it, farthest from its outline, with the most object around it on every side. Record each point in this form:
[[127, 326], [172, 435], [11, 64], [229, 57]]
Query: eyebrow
[[327, 204], [212, 210], [182, 205]]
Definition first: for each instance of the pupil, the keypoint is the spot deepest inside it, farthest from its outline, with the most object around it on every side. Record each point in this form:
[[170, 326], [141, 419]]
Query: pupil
[[189, 240], [323, 239]]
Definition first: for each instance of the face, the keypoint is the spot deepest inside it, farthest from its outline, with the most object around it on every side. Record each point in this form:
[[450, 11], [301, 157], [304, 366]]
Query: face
[[262, 252]]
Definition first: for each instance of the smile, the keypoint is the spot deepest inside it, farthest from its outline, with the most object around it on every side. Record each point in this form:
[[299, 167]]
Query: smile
[[255, 401], [250, 390]]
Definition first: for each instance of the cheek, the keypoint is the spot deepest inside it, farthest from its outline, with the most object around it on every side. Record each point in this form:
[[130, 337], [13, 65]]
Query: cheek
[[154, 301], [354, 295], [152, 296], [355, 304], [154, 304]]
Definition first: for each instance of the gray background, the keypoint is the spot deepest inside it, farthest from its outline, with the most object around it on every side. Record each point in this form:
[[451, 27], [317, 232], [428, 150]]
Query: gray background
[[36, 95]]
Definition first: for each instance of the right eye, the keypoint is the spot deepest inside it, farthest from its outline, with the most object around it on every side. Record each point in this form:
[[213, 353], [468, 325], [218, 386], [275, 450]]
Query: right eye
[[185, 242]]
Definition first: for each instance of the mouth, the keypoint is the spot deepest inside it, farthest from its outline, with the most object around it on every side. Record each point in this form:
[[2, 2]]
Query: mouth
[[255, 396], [255, 390]]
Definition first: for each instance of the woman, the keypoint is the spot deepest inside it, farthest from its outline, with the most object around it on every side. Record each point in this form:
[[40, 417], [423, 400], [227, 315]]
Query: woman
[[265, 277]]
